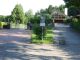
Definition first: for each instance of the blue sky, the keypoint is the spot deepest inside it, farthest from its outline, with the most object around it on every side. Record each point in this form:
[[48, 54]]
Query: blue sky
[[6, 6]]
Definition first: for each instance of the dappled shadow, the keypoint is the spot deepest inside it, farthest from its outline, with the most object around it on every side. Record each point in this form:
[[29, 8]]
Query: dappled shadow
[[72, 50], [72, 40], [14, 35], [14, 46], [15, 52]]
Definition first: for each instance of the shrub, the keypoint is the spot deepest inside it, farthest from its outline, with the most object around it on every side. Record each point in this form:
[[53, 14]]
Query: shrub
[[67, 21], [75, 24], [38, 31], [6, 26], [2, 24]]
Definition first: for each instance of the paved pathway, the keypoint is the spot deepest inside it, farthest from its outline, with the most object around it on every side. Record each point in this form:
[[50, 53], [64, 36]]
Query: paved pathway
[[71, 36], [14, 45], [72, 39], [14, 35]]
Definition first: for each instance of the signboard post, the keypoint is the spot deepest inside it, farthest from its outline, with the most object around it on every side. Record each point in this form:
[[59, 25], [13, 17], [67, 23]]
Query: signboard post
[[42, 24]]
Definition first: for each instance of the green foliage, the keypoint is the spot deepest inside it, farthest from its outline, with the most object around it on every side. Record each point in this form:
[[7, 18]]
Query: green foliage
[[36, 19], [2, 24], [75, 24], [50, 9], [48, 19], [8, 18], [74, 10], [75, 3], [48, 13], [2, 18], [38, 31], [18, 15], [29, 16], [73, 7], [67, 21], [48, 39], [61, 8]]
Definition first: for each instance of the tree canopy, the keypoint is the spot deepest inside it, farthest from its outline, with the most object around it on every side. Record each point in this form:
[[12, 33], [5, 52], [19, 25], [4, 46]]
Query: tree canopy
[[75, 3], [73, 7], [29, 15], [2, 18], [18, 15], [74, 10]]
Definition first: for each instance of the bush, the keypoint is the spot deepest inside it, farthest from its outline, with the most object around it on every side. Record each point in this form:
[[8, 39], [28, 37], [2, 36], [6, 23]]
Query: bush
[[67, 21], [6, 26], [38, 31], [2, 24], [48, 38], [75, 24]]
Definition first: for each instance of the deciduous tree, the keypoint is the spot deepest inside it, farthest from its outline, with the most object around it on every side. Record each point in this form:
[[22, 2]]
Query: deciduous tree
[[18, 15]]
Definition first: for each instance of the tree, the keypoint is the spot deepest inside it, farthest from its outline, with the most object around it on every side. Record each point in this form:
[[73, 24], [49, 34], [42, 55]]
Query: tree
[[61, 8], [48, 18], [73, 7], [18, 15], [2, 18], [75, 3], [74, 10], [50, 9], [8, 18], [29, 15]]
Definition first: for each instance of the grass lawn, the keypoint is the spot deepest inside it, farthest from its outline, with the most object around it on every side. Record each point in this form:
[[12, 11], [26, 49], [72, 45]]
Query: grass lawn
[[48, 39]]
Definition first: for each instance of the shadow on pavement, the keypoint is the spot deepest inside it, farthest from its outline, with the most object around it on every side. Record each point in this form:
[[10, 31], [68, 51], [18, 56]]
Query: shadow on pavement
[[10, 51], [72, 39]]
